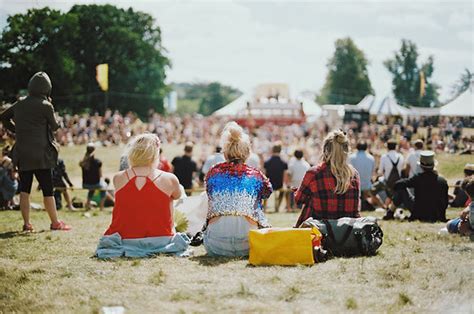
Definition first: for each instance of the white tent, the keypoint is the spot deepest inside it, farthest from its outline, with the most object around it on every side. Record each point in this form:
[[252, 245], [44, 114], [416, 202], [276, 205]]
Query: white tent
[[310, 107], [388, 107], [234, 107], [424, 111], [366, 102], [461, 106]]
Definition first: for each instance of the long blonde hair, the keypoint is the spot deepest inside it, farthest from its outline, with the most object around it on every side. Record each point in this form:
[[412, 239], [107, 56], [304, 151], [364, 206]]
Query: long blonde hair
[[235, 143], [335, 153]]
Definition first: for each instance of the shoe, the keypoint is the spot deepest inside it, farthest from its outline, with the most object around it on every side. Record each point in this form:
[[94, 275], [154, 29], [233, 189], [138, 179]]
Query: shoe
[[197, 239], [60, 225], [388, 215], [28, 228]]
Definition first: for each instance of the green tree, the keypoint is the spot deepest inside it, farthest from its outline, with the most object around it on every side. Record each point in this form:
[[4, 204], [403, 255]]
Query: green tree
[[347, 80], [215, 97], [33, 42], [463, 83], [69, 46], [407, 75], [204, 98]]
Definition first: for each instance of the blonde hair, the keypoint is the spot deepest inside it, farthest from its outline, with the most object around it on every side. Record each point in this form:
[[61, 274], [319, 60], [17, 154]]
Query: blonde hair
[[234, 142], [143, 150], [335, 153]]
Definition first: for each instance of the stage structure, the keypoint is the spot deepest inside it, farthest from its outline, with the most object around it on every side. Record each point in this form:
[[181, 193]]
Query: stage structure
[[270, 103]]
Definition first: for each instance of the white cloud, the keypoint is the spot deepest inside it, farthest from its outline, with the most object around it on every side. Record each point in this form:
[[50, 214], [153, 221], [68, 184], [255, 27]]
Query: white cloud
[[246, 43]]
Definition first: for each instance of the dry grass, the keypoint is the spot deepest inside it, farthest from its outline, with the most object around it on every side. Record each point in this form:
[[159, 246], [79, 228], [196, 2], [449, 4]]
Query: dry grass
[[416, 270]]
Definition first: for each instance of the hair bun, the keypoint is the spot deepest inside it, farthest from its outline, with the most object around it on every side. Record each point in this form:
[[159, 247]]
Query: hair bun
[[234, 134], [340, 137]]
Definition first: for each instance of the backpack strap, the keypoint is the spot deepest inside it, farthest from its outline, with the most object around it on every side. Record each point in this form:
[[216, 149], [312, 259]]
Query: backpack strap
[[394, 164]]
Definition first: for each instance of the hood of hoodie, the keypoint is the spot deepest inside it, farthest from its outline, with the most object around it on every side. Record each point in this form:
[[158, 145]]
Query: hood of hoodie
[[40, 85]]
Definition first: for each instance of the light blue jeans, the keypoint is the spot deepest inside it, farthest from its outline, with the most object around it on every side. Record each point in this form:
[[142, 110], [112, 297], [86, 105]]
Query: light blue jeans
[[228, 236]]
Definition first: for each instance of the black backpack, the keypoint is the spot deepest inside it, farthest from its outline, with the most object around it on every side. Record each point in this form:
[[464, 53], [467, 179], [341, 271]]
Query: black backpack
[[348, 236], [394, 176]]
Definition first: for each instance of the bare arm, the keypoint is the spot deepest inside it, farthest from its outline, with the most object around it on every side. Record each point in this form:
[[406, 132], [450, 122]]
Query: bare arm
[[176, 189]]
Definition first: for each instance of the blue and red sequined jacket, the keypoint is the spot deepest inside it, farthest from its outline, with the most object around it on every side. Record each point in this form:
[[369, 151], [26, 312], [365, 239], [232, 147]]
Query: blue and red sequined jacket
[[235, 189]]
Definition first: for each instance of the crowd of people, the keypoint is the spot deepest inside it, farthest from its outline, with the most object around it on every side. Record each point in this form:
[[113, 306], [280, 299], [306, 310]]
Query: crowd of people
[[322, 178]]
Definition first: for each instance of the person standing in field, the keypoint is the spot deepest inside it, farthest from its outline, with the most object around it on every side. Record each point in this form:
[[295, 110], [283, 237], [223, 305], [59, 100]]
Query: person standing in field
[[184, 167], [213, 160], [92, 176], [276, 171], [297, 168], [364, 163], [35, 152]]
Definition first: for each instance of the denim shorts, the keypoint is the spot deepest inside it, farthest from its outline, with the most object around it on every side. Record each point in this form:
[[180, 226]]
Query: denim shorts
[[228, 236], [453, 225], [93, 187]]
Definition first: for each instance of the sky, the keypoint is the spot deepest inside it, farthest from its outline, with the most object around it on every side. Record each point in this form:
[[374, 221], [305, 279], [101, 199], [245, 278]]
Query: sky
[[245, 43]]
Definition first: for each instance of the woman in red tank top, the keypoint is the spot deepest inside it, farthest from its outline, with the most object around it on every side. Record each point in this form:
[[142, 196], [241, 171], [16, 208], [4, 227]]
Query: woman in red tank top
[[143, 208]]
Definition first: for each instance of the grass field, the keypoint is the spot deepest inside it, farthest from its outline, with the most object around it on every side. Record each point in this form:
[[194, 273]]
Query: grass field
[[416, 270]]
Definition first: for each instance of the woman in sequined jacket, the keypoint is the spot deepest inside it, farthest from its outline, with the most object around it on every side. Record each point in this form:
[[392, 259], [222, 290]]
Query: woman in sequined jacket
[[235, 192]]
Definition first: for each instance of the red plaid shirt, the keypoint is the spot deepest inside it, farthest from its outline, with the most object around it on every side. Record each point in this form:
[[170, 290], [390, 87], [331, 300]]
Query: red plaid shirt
[[317, 194]]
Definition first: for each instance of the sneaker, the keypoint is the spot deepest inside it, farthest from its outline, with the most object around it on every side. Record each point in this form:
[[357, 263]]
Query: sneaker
[[60, 225], [28, 228], [389, 215]]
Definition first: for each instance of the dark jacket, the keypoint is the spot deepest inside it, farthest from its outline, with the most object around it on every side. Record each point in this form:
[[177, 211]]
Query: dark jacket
[[33, 122], [431, 195]]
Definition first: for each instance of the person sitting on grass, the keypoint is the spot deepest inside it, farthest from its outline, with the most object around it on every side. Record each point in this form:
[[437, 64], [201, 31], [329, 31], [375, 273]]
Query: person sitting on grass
[[330, 190], [92, 176], [8, 183], [464, 224], [431, 193], [459, 197], [235, 192], [142, 218]]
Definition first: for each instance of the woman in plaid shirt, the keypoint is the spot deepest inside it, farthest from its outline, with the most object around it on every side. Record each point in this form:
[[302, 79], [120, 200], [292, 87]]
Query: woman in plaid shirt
[[330, 190]]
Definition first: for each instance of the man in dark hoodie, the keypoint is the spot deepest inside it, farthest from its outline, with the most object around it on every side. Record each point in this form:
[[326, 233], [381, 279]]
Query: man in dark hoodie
[[35, 152]]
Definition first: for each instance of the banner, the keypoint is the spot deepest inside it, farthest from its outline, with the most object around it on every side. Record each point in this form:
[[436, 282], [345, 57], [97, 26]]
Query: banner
[[102, 76], [422, 84]]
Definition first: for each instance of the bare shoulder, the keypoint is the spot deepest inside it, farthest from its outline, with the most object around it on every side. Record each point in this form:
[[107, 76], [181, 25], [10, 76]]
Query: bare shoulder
[[120, 179], [169, 177]]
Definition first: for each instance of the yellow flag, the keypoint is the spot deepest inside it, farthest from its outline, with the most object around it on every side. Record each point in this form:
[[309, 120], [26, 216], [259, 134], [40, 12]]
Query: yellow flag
[[422, 84], [102, 76]]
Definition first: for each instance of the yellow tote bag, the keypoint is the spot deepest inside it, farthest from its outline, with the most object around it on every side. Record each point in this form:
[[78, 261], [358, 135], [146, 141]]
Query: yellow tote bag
[[282, 246]]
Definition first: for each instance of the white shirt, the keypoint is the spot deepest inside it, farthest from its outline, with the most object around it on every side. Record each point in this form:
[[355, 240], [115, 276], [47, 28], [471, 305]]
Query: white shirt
[[386, 163], [412, 160], [253, 161], [211, 161], [297, 169]]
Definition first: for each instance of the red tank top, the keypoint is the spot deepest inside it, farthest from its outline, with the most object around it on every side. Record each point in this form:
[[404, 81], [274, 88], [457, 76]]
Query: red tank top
[[141, 213]]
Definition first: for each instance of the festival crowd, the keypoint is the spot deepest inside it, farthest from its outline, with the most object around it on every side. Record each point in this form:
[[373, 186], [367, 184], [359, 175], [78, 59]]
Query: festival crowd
[[310, 167]]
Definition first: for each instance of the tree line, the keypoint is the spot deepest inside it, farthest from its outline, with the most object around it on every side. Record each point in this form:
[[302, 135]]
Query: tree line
[[347, 81], [70, 45]]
